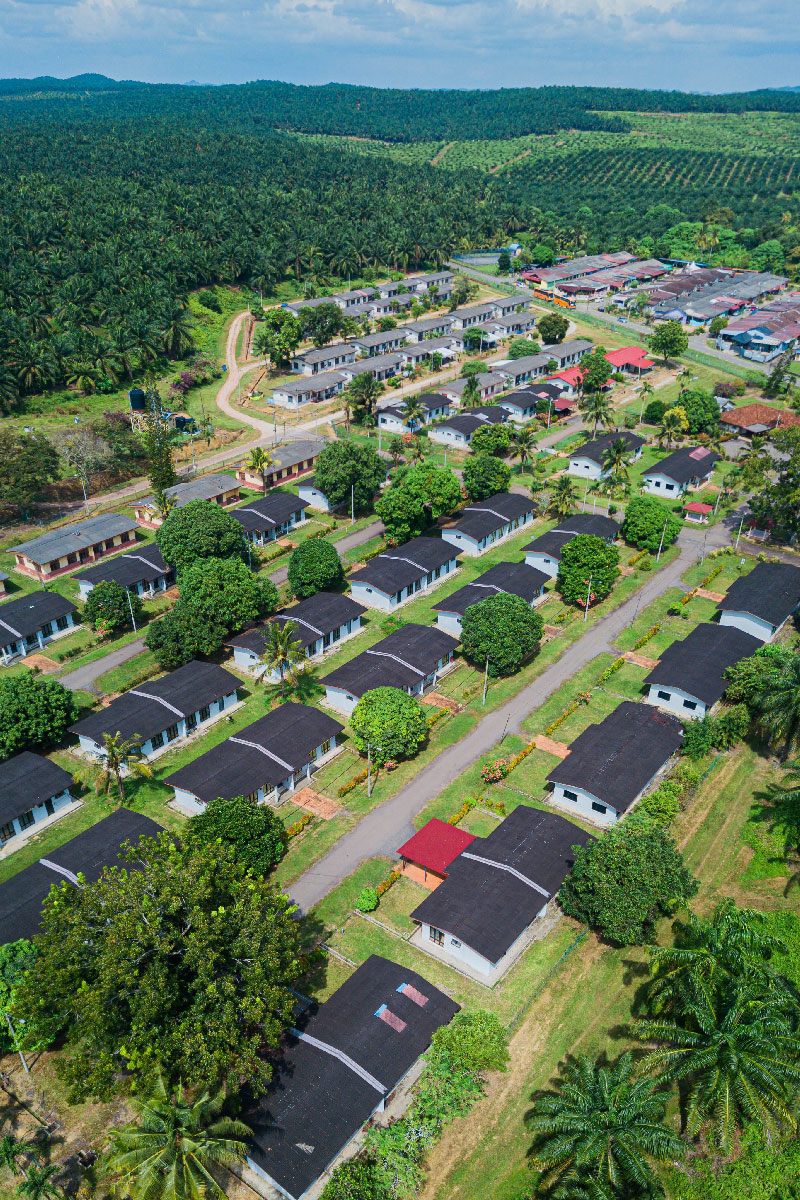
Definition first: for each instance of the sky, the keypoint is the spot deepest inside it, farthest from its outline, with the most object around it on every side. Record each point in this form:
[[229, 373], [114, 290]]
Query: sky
[[691, 45]]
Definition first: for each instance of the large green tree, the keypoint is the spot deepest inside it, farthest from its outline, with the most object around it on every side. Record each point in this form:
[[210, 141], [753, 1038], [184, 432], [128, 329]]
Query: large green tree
[[278, 336], [225, 591], [648, 524], [501, 630], [553, 327], [491, 439], [30, 461], [180, 968], [589, 567], [314, 567], [35, 713], [390, 723], [483, 475], [253, 832], [669, 340], [200, 530], [111, 606], [348, 471], [322, 323]]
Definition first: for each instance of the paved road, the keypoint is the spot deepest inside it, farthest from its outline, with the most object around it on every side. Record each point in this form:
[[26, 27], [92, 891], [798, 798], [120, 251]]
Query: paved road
[[83, 678], [348, 542], [391, 823]]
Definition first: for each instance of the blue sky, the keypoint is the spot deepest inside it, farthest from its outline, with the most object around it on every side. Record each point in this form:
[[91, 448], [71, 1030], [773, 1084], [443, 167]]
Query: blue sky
[[700, 45]]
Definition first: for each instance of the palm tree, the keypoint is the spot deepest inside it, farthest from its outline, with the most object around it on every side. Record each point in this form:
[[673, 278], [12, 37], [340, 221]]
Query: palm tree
[[563, 497], [603, 1125], [616, 461], [673, 427], [11, 1151], [471, 394], [413, 412], [645, 392], [417, 451], [596, 407], [777, 703], [283, 652], [260, 461], [684, 379], [363, 393], [523, 446], [739, 1054], [39, 1183], [120, 755], [347, 410], [168, 1152]]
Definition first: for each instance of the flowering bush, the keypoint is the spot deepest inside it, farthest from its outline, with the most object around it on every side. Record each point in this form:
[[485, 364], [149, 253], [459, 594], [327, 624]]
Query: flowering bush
[[466, 807], [645, 638], [353, 783], [298, 826], [390, 880], [495, 771]]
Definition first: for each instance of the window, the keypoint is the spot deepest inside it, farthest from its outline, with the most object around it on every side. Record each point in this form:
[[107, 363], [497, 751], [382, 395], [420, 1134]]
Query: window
[[664, 695], [601, 808], [62, 622], [47, 629], [436, 936], [172, 733], [48, 807], [570, 795], [191, 721], [325, 747], [7, 832], [690, 704], [253, 797], [157, 740], [455, 942], [670, 487], [205, 712], [26, 820]]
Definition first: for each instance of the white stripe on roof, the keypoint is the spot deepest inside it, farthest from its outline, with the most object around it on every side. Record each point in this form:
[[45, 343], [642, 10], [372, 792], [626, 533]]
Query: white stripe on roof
[[261, 749], [488, 862], [158, 700], [410, 561], [493, 511], [397, 659], [142, 558], [343, 1058], [258, 514], [11, 629], [300, 621], [46, 862]]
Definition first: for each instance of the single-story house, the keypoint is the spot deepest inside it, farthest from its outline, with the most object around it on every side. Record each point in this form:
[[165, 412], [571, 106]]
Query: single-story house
[[327, 358], [32, 788], [400, 573], [264, 761], [434, 405], [370, 344], [412, 659], [762, 602], [684, 469], [512, 324], [426, 856], [342, 1063], [310, 389], [459, 430], [270, 517], [62, 549], [757, 419], [697, 512], [321, 621], [479, 916], [354, 298], [28, 623], [142, 571], [566, 354], [611, 763], [162, 711], [519, 370], [514, 578], [473, 314], [631, 359], [521, 406], [587, 460], [428, 327], [489, 384], [289, 461], [380, 366], [506, 305], [221, 489], [486, 522], [544, 552], [309, 492], [569, 382], [88, 854], [690, 676], [441, 280]]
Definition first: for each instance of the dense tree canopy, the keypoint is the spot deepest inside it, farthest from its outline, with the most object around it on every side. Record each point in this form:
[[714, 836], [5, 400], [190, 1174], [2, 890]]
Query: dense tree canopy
[[646, 522], [390, 722], [314, 567], [484, 475], [343, 465], [587, 568], [501, 630], [200, 530], [253, 831], [35, 713]]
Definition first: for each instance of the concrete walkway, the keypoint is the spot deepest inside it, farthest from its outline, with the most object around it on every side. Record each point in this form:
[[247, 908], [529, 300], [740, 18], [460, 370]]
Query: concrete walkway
[[348, 542], [391, 823], [83, 678]]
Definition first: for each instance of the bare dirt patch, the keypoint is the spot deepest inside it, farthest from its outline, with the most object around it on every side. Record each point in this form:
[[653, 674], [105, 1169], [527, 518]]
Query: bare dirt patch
[[317, 803]]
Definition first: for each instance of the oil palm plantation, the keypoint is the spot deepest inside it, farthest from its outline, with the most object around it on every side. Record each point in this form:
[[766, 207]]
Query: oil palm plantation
[[777, 703], [563, 497], [736, 1049], [616, 462], [173, 1147], [121, 756], [600, 1131], [596, 408], [260, 461], [283, 652]]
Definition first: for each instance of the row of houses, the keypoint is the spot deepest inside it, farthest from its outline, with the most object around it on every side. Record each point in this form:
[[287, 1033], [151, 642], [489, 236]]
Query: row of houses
[[765, 333], [595, 274], [377, 300]]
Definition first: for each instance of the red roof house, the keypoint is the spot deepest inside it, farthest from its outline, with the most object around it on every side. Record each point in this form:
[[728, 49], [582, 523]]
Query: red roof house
[[697, 511], [427, 855], [630, 358]]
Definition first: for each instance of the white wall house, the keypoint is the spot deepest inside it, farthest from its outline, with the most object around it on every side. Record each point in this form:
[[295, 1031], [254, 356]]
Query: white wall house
[[542, 560], [308, 491], [344, 699], [757, 627], [658, 484], [328, 358], [248, 646], [32, 790], [31, 622], [174, 731], [381, 596], [761, 602], [587, 460], [481, 527], [676, 700]]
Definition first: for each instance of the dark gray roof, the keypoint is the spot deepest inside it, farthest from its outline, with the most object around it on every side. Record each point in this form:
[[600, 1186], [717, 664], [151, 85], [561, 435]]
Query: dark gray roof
[[400, 660], [395, 569], [26, 780], [325, 353], [690, 462], [486, 516], [22, 896], [553, 542], [615, 759], [383, 338], [142, 565], [74, 538], [207, 487], [771, 591], [515, 578], [292, 453], [269, 511], [141, 711], [470, 422], [312, 618], [566, 349], [522, 400], [697, 664], [262, 754], [487, 907], [595, 449], [317, 1101], [22, 617]]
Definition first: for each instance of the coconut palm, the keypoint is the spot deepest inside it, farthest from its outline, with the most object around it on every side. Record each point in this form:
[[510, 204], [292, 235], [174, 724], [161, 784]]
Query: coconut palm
[[603, 1124], [737, 1050], [596, 407], [616, 461], [169, 1150], [523, 446], [471, 394], [11, 1151], [260, 461], [563, 497], [363, 393], [413, 412], [417, 451], [283, 652], [39, 1183], [777, 703], [673, 426], [348, 406], [120, 755]]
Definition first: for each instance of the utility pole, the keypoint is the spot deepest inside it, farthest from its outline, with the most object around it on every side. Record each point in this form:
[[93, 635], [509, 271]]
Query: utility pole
[[14, 1039], [352, 504], [661, 543], [739, 534], [130, 606], [485, 682], [588, 598]]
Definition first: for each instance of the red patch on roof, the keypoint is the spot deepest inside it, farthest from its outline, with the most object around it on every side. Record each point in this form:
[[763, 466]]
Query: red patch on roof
[[696, 506], [699, 453], [435, 845], [563, 403]]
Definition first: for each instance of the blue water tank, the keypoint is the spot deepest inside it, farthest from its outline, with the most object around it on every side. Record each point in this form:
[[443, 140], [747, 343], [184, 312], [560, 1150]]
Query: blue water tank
[[138, 399]]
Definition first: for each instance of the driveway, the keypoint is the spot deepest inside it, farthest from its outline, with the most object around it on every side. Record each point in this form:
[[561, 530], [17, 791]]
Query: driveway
[[391, 823]]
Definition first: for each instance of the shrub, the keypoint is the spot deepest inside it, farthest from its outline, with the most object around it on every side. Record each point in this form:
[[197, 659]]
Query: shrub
[[588, 566], [253, 830], [209, 300], [664, 804], [367, 900], [654, 412], [646, 521], [476, 1040]]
